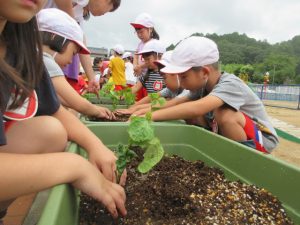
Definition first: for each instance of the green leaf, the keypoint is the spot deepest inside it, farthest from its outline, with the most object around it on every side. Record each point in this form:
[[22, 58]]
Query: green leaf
[[140, 130], [152, 156]]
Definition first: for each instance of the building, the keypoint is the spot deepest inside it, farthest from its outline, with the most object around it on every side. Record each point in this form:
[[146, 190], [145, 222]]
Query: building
[[98, 52]]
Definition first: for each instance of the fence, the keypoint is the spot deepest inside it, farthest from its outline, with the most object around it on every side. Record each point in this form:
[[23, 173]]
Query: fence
[[284, 96]]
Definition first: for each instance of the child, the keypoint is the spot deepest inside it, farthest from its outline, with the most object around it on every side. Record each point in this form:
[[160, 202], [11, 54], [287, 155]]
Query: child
[[152, 80], [129, 73], [144, 28], [80, 10], [33, 122], [238, 112], [117, 68], [62, 38], [172, 92]]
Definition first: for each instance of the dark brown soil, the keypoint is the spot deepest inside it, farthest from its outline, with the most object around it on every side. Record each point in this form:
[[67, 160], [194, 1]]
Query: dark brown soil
[[119, 118], [183, 192]]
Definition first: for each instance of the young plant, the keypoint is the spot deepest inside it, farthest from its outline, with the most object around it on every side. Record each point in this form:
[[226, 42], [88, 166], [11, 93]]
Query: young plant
[[125, 155], [156, 100], [141, 134]]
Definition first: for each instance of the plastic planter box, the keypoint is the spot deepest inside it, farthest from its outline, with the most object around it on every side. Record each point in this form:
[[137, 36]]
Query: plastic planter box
[[104, 100], [192, 143]]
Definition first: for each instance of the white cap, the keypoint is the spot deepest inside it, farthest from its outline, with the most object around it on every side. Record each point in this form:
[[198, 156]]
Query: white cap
[[143, 20], [192, 52], [58, 22], [165, 59], [153, 46], [126, 55], [118, 49]]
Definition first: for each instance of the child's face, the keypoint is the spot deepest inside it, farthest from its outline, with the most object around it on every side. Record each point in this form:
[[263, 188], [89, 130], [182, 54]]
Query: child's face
[[192, 80], [20, 11], [150, 59], [65, 57], [144, 34], [171, 81], [100, 7]]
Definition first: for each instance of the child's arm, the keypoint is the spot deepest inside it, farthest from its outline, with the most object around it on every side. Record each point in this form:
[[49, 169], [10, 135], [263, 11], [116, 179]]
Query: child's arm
[[70, 98], [28, 173], [99, 154], [86, 62], [188, 110], [136, 87]]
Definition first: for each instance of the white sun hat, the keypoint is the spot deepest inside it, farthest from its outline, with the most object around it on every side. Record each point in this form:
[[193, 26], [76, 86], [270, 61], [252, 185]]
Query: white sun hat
[[192, 52], [58, 22], [153, 46], [118, 49], [126, 55], [143, 20], [165, 59]]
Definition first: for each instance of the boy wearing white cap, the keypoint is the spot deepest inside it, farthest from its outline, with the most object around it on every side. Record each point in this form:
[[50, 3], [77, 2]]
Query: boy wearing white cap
[[117, 67], [238, 112], [62, 38], [172, 92], [152, 80]]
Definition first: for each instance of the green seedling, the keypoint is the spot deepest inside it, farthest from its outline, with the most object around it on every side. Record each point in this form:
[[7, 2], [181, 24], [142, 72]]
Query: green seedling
[[125, 155], [156, 100]]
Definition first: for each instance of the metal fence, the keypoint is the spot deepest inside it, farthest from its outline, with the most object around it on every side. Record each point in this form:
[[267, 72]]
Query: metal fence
[[284, 96]]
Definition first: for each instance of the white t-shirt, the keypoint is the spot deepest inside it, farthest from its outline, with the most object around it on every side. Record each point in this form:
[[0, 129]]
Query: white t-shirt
[[130, 78], [52, 67]]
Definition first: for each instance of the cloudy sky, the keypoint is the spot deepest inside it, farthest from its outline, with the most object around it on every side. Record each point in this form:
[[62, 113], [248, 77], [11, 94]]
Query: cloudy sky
[[271, 20]]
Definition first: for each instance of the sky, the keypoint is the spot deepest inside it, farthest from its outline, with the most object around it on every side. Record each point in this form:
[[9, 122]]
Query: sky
[[271, 20]]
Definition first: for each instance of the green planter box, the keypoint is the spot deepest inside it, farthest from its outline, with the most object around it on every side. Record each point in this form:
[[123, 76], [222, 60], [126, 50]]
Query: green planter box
[[192, 143], [104, 100]]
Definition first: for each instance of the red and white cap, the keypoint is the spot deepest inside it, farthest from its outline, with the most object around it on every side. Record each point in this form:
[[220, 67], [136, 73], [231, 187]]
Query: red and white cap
[[153, 46], [58, 22], [118, 49], [192, 52], [143, 20]]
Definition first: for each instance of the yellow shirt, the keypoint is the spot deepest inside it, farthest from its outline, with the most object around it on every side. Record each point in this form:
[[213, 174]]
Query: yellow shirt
[[117, 68]]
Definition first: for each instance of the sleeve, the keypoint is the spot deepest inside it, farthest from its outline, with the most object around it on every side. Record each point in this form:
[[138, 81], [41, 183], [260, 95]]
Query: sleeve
[[230, 92], [110, 65], [184, 93], [142, 79], [52, 67], [166, 93], [48, 101], [195, 95]]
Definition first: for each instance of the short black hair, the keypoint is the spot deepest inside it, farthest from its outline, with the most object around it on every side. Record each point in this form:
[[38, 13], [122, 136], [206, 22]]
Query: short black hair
[[116, 4], [54, 41]]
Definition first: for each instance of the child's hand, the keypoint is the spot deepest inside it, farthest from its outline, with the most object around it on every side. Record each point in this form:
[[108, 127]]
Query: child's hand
[[93, 87], [105, 160], [137, 70], [142, 112], [124, 111], [90, 181], [103, 112]]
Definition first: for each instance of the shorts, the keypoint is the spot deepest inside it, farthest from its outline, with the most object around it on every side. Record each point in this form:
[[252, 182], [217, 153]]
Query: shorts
[[254, 134], [141, 94]]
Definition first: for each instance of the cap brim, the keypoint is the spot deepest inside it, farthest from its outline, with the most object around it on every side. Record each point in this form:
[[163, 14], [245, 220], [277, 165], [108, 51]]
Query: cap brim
[[161, 62], [169, 68], [83, 49], [137, 26]]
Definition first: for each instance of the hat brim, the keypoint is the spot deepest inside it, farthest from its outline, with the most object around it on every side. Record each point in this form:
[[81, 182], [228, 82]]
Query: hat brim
[[161, 62], [169, 68], [137, 26], [83, 49]]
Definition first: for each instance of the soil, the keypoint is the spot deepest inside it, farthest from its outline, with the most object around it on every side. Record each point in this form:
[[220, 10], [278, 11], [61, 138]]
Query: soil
[[183, 192], [119, 118]]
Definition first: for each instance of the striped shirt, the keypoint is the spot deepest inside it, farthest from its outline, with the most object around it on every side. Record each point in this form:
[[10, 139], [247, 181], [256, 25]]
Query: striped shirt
[[152, 81]]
